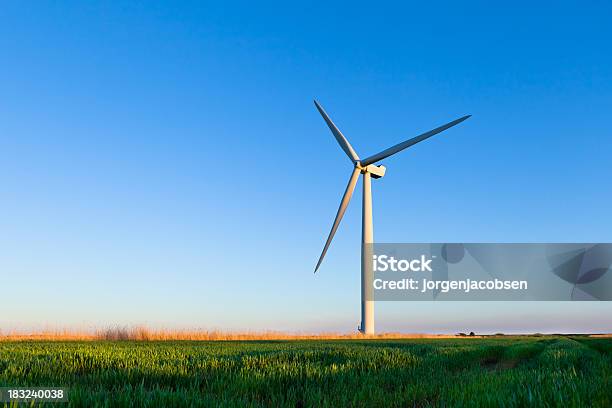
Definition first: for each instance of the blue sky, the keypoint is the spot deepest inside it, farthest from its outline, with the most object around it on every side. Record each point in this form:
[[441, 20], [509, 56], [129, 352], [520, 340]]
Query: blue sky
[[162, 163]]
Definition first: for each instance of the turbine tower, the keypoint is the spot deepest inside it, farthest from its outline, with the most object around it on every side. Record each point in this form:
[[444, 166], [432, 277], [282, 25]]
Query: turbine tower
[[368, 170]]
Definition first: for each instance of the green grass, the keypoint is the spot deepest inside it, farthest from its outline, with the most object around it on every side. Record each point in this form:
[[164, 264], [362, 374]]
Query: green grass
[[495, 372]]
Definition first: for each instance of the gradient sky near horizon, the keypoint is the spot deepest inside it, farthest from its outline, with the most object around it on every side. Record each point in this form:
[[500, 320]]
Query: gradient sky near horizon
[[162, 163]]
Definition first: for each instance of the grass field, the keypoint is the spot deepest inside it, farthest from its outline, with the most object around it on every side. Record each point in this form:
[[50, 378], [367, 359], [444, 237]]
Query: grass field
[[495, 372]]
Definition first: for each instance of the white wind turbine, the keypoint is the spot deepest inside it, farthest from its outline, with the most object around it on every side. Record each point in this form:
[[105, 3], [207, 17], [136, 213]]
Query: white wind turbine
[[368, 169]]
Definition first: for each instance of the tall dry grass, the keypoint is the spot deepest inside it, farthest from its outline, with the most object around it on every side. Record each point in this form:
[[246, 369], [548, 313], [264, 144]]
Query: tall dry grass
[[141, 333]]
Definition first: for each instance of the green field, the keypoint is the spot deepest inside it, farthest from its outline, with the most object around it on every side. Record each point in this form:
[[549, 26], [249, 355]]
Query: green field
[[495, 372]]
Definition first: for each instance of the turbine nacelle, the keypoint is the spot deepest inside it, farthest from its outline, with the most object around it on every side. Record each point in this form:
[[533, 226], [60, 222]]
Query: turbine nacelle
[[375, 171]]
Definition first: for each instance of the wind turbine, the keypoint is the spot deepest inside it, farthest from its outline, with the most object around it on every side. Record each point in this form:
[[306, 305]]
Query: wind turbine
[[368, 170]]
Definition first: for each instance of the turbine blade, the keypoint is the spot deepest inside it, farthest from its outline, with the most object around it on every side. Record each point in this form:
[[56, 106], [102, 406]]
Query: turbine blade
[[344, 144], [401, 146], [346, 198]]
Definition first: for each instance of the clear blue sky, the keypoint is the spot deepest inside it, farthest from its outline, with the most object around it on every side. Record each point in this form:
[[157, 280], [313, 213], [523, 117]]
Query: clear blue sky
[[163, 163]]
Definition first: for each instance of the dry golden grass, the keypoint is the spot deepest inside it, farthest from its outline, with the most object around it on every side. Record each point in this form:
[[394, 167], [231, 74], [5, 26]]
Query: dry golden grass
[[146, 334], [141, 333], [48, 335]]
